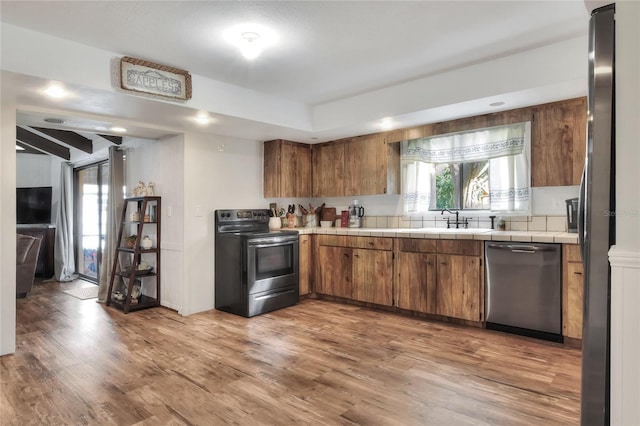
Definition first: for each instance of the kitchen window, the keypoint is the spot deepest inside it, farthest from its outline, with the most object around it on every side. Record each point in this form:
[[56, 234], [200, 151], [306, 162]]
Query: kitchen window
[[484, 170]]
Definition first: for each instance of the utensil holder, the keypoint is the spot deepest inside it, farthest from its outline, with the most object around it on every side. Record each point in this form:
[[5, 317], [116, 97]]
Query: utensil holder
[[275, 222]]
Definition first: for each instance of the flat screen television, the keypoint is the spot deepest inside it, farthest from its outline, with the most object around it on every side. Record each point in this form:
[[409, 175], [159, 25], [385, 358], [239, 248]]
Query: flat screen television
[[33, 205]]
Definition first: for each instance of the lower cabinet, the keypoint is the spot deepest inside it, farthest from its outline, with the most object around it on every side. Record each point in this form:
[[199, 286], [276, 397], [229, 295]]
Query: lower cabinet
[[304, 265], [442, 277], [347, 268], [334, 271], [572, 291], [416, 288], [373, 276], [458, 287]]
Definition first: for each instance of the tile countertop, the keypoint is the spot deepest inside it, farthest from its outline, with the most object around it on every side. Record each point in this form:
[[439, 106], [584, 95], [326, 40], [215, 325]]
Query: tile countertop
[[451, 234]]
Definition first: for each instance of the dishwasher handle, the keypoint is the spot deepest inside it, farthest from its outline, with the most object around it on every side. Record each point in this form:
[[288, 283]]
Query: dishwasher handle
[[520, 248]]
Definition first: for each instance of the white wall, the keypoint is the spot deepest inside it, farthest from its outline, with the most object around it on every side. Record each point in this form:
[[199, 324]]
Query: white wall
[[7, 226], [625, 255], [214, 180], [162, 162]]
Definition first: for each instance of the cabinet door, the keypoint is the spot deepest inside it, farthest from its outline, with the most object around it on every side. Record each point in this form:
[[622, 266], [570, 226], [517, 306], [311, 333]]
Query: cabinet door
[[458, 287], [304, 264], [295, 176], [572, 300], [373, 276], [328, 169], [334, 271], [416, 285], [271, 173], [558, 135], [287, 169], [365, 165]]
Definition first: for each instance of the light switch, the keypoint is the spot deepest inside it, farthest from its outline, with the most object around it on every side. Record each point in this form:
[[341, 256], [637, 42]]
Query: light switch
[[198, 211], [169, 211]]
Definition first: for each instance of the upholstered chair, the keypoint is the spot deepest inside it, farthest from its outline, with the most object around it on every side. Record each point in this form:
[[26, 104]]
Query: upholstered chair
[[28, 248]]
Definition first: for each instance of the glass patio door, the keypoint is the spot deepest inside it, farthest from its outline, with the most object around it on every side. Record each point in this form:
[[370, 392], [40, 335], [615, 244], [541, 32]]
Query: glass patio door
[[91, 217]]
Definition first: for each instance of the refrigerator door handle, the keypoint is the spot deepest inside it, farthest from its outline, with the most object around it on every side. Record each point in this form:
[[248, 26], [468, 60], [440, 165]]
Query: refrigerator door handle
[[581, 211]]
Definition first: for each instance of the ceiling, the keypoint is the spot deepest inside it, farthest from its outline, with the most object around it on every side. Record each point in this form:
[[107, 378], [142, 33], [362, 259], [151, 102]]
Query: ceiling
[[327, 51]]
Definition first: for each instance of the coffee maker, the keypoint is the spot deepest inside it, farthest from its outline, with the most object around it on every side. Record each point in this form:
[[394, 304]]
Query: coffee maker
[[356, 211]]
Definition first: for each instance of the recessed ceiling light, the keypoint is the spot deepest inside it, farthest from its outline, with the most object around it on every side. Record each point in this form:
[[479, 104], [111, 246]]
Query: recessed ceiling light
[[54, 120], [19, 148], [202, 119], [251, 39], [118, 129], [495, 104], [55, 91], [386, 123]]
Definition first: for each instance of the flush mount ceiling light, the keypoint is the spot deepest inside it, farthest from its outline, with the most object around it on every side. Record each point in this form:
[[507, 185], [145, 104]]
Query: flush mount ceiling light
[[54, 120], [19, 148], [118, 129], [251, 39]]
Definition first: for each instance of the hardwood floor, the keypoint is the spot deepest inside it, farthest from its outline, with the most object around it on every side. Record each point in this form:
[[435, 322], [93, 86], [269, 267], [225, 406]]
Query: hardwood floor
[[320, 362]]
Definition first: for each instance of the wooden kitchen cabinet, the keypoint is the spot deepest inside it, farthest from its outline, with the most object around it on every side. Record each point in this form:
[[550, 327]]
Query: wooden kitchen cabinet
[[304, 265], [363, 165], [372, 276], [558, 143], [357, 268], [416, 289], [572, 291], [372, 166], [327, 162], [287, 169], [442, 277], [334, 271], [458, 290]]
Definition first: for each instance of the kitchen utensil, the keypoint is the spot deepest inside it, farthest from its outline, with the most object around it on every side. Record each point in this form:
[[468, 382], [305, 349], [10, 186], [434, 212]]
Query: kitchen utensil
[[302, 209]]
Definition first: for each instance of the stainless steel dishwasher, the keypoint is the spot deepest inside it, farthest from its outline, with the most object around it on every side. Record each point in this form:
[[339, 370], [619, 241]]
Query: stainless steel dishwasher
[[524, 289]]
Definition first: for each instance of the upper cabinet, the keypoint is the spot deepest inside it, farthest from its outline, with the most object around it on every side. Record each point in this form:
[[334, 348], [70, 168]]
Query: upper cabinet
[[370, 164], [287, 169], [363, 165], [558, 143], [328, 169]]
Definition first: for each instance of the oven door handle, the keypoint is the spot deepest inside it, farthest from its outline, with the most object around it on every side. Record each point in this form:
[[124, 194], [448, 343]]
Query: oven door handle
[[270, 243]]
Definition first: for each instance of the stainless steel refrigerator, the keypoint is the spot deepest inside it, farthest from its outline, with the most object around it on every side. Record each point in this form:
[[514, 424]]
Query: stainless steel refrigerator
[[597, 218]]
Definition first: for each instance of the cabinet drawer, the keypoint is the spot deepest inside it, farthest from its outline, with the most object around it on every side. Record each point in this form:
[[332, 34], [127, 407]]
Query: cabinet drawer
[[415, 245], [572, 253], [332, 240], [377, 243], [464, 247]]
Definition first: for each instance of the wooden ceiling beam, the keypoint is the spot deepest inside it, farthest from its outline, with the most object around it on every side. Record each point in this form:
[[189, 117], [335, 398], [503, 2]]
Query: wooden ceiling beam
[[41, 143], [26, 149], [69, 138], [117, 140]]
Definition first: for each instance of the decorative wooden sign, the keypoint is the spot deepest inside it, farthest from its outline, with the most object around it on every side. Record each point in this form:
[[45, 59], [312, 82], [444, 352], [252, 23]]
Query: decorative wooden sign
[[147, 77]]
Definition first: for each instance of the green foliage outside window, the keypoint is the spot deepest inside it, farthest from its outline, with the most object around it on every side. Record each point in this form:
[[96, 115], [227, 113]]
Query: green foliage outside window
[[445, 193]]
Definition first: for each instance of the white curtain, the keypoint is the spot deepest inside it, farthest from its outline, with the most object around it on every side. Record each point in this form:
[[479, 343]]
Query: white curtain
[[115, 202], [507, 148], [64, 258]]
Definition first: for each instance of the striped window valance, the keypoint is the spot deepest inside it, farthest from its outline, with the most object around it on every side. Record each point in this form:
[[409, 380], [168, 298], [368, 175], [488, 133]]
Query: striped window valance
[[476, 145]]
